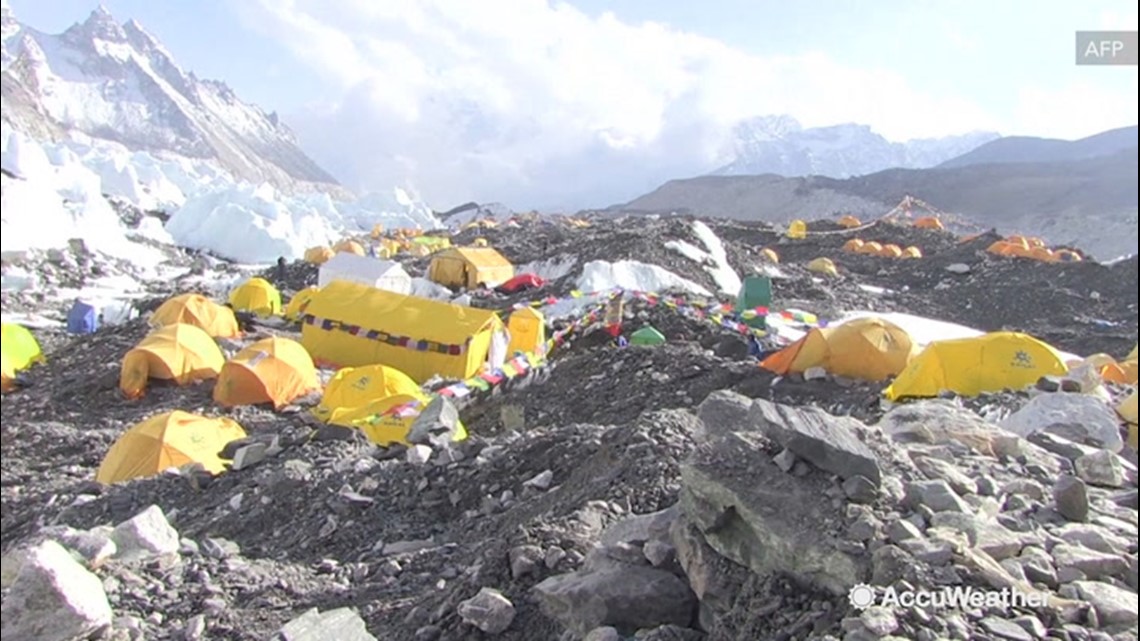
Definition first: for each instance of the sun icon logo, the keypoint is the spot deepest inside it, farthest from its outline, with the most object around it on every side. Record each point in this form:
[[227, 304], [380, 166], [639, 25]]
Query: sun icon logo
[[862, 596]]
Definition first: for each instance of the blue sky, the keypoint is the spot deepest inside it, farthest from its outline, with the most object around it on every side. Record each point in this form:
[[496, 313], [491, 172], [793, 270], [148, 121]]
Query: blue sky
[[509, 95]]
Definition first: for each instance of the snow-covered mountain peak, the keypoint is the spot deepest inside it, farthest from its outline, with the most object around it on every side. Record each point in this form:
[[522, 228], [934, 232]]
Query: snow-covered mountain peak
[[781, 145], [117, 82]]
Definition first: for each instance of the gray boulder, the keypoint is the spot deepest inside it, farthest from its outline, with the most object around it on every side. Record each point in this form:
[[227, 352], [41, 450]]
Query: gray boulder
[[436, 425], [723, 412], [488, 610], [626, 598], [831, 443], [342, 624], [53, 598], [1078, 417]]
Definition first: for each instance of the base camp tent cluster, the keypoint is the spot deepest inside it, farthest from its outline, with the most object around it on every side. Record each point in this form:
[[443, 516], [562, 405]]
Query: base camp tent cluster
[[885, 250]]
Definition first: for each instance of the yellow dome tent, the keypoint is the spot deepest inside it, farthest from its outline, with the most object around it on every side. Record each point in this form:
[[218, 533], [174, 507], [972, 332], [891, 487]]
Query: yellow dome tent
[[865, 348], [299, 302], [970, 366], [392, 428], [912, 252], [172, 439], [823, 266], [853, 245], [258, 296], [527, 328], [197, 310], [769, 255], [350, 246], [891, 251], [272, 370], [318, 255], [19, 350], [1127, 411], [872, 248], [180, 353], [849, 222], [797, 230], [353, 387], [1132, 355]]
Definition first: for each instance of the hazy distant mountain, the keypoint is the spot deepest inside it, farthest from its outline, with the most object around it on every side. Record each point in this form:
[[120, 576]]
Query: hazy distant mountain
[[1091, 203], [1030, 149], [780, 145]]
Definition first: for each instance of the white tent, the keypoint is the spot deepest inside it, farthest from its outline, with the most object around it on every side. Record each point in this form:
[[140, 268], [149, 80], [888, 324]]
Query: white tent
[[381, 274]]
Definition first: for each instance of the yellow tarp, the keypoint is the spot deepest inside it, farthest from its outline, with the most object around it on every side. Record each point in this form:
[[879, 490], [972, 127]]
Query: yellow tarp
[[168, 440], [197, 310], [823, 266], [970, 366], [456, 339], [299, 302], [272, 370], [865, 348], [258, 296], [353, 387], [386, 430], [180, 353], [470, 267], [527, 328]]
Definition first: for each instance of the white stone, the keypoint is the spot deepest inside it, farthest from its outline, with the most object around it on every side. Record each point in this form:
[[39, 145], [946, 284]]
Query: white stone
[[1075, 416], [53, 598], [145, 535]]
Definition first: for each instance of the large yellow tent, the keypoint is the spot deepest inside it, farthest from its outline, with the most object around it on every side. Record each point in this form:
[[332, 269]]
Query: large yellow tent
[[318, 255], [970, 366], [167, 440], [258, 296], [865, 348], [179, 352], [197, 310], [19, 350], [385, 428], [272, 370], [470, 267], [299, 302], [353, 387], [527, 328], [348, 324]]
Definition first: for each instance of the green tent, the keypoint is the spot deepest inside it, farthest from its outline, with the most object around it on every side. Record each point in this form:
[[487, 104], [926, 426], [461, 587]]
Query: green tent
[[756, 291], [647, 335]]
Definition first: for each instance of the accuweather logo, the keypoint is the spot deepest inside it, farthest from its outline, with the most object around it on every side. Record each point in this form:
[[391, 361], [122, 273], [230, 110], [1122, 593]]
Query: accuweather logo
[[957, 597]]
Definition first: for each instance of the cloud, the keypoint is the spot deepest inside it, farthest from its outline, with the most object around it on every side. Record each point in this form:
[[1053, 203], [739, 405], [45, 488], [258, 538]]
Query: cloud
[[1078, 110], [538, 104]]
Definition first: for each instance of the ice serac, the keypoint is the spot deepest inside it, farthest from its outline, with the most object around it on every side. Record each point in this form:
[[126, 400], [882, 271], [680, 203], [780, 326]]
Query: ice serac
[[117, 82]]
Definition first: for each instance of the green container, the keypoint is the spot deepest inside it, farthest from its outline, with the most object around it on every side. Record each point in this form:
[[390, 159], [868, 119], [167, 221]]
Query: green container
[[756, 291]]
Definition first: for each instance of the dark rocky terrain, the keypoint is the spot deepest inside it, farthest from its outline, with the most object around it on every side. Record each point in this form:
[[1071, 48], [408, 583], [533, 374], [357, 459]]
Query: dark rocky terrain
[[657, 493]]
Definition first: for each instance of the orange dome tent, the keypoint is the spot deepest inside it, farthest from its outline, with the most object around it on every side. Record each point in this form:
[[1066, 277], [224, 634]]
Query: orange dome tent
[[1042, 254], [350, 246], [318, 255], [849, 221], [864, 348], [891, 251], [1034, 242], [272, 370], [853, 245], [179, 352], [912, 252], [194, 309], [873, 248], [928, 222], [172, 439]]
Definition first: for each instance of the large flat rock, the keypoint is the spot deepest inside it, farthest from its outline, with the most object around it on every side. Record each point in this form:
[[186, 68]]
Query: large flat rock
[[829, 442]]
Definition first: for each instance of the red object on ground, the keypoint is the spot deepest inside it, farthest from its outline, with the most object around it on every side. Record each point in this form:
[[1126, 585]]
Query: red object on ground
[[521, 282]]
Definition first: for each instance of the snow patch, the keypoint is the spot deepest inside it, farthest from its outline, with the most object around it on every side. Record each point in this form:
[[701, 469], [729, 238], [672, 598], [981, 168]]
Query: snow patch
[[550, 269], [600, 275], [713, 258]]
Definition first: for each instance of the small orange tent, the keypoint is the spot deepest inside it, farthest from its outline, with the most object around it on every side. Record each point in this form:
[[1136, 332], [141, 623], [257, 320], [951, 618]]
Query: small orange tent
[[318, 255], [928, 222], [272, 370], [1034, 242], [891, 251], [349, 246], [912, 252], [181, 353], [1042, 254], [853, 245], [1067, 256], [872, 248], [197, 310], [849, 221]]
